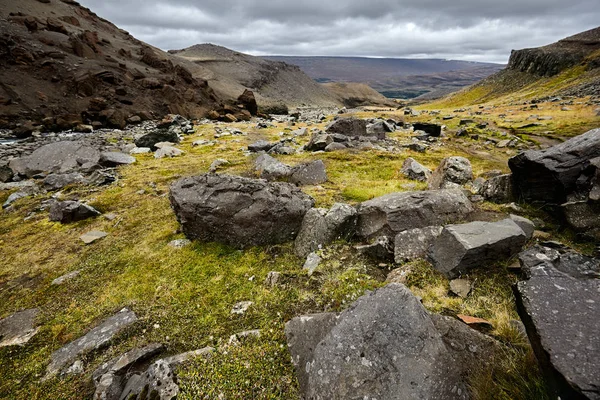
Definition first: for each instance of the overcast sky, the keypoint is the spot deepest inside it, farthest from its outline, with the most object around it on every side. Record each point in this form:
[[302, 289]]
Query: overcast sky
[[477, 30]]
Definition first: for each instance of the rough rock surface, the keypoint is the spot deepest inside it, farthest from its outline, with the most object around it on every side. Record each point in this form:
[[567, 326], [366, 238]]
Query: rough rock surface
[[71, 211], [270, 168], [476, 244], [95, 339], [60, 157], [351, 127], [158, 136], [114, 159], [559, 305], [498, 189], [311, 173], [396, 212], [550, 175], [430, 129], [321, 227], [385, 346], [414, 243], [413, 170], [59, 181], [18, 328], [451, 173], [238, 211]]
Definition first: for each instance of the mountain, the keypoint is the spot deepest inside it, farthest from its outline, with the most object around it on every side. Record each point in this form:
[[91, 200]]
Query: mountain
[[569, 67], [395, 77], [62, 65], [229, 73], [358, 94]]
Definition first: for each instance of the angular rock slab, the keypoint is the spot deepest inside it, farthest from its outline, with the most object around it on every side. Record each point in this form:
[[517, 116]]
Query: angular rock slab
[[451, 173], [396, 212], [18, 328], [311, 173], [71, 211], [238, 211], [550, 175], [95, 339], [414, 170], [270, 168], [560, 313], [414, 243], [350, 127], [460, 248], [385, 346]]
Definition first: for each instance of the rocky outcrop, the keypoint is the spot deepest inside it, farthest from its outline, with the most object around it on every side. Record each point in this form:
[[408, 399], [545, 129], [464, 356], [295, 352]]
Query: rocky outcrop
[[559, 305], [385, 346], [238, 211], [396, 212], [351, 127], [414, 243], [460, 248], [71, 211]]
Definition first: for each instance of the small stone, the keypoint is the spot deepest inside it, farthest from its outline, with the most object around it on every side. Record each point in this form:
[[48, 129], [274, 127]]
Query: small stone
[[475, 323], [237, 338], [67, 277], [179, 243], [312, 262], [217, 163], [75, 369], [272, 279], [461, 287], [92, 236], [140, 150], [241, 307]]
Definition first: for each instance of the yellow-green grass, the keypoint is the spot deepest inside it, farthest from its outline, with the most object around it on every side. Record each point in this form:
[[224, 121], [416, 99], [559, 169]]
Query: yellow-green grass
[[183, 297]]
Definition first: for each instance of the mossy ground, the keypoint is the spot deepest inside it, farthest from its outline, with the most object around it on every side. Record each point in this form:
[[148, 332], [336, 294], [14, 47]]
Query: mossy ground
[[183, 297]]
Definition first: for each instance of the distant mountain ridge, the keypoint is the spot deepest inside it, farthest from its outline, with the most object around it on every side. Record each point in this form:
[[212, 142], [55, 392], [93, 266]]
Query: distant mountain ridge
[[394, 77]]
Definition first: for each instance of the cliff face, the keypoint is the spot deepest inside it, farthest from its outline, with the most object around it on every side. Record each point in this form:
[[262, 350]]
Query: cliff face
[[552, 59]]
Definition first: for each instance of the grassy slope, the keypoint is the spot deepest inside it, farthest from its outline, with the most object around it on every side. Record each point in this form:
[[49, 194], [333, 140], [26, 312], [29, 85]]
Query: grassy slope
[[183, 297]]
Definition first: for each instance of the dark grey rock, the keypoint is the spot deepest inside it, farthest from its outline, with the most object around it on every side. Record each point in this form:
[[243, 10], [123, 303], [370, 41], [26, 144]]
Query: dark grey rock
[[18, 328], [367, 350], [261, 145], [311, 173], [379, 129], [238, 211], [59, 157], [120, 364], [351, 127], [418, 147], [413, 170], [335, 147], [339, 138], [318, 141], [59, 181], [460, 248], [158, 136], [6, 174], [270, 168], [560, 311], [451, 173], [414, 243], [382, 249], [583, 216], [114, 159], [321, 227], [396, 212], [71, 211], [498, 189], [550, 175], [527, 225], [95, 339], [430, 129]]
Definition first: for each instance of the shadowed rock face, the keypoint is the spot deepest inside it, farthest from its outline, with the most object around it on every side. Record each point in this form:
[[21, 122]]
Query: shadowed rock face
[[559, 305], [238, 211]]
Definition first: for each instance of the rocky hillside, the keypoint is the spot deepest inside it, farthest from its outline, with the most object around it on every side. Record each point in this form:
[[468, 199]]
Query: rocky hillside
[[569, 67], [62, 65], [357, 94], [229, 73]]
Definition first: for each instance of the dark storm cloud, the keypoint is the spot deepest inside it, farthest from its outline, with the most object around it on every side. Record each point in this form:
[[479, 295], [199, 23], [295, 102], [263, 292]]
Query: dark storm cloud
[[471, 30]]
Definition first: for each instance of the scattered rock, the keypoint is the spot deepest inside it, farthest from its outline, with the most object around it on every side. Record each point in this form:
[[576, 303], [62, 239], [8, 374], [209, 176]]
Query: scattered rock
[[271, 169], [321, 227], [261, 145], [476, 244], [379, 129], [414, 243], [160, 135], [413, 170], [114, 159], [476, 323], [67, 277], [18, 329], [319, 141], [237, 338], [238, 211], [95, 339], [188, 355], [396, 212], [71, 211], [168, 151], [311, 173], [335, 147], [217, 163], [451, 173], [248, 100], [272, 278], [92, 236], [59, 181], [179, 243], [430, 129], [140, 150], [352, 127]]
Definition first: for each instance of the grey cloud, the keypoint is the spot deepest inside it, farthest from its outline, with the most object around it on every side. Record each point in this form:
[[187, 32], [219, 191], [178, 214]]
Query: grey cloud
[[473, 29]]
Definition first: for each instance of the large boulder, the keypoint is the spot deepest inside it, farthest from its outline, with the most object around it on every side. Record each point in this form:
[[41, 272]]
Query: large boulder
[[559, 305], [71, 211], [248, 100], [498, 189], [321, 227], [351, 127], [393, 213], [460, 248], [430, 129], [550, 175], [271, 169], [379, 129], [310, 173], [238, 211], [451, 173], [158, 136], [319, 141], [385, 346], [60, 157]]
